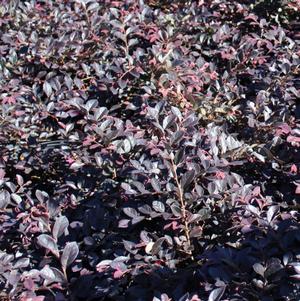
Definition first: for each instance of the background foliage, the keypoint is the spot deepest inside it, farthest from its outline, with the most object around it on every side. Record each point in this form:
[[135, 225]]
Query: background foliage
[[149, 150]]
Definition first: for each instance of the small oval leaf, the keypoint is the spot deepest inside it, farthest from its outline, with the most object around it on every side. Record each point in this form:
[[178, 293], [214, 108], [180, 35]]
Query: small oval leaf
[[216, 294], [61, 224], [47, 242], [69, 254]]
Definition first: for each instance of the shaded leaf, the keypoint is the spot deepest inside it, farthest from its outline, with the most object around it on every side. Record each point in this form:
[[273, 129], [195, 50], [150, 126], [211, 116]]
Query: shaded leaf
[[4, 199], [157, 245], [187, 178]]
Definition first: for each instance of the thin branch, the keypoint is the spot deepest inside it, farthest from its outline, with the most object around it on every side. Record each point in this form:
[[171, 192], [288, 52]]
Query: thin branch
[[182, 204]]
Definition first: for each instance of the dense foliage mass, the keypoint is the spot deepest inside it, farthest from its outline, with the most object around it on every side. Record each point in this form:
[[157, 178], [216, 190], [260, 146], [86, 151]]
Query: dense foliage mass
[[149, 150]]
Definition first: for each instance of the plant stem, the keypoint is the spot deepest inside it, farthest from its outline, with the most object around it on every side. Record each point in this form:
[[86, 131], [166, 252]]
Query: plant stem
[[182, 204]]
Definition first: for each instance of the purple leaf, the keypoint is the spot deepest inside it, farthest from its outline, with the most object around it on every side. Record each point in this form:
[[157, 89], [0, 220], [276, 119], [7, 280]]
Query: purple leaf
[[69, 254], [216, 294], [47, 242]]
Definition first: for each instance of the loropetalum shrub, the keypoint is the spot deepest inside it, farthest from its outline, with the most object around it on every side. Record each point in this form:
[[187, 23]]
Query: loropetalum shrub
[[149, 150]]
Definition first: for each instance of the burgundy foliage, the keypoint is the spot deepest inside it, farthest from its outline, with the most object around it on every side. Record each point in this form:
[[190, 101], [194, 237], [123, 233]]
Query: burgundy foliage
[[149, 150]]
